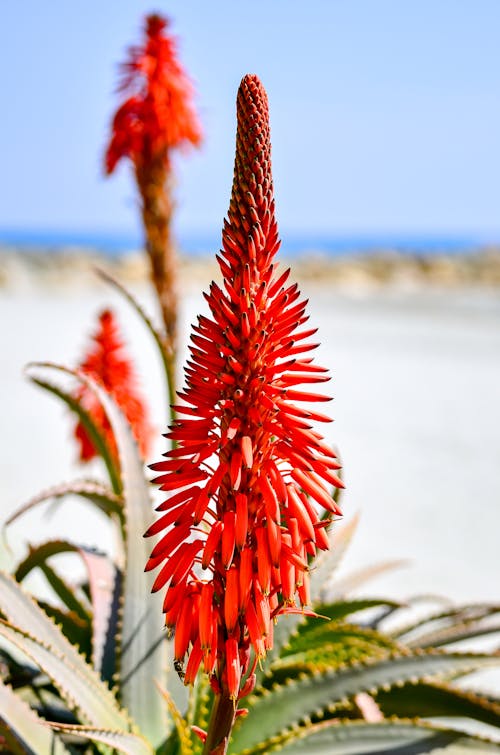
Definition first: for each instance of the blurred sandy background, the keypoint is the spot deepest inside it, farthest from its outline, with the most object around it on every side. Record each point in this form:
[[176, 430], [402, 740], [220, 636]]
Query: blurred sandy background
[[415, 361]]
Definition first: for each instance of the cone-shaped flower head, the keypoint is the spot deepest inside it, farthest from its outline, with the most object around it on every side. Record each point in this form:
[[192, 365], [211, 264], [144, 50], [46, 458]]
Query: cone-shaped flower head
[[108, 364], [158, 114], [249, 471]]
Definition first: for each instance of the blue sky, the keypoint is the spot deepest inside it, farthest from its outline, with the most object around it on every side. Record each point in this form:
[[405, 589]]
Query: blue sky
[[385, 115]]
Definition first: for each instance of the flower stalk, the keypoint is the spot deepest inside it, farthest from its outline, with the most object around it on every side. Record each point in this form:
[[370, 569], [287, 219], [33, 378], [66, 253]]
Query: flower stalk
[[156, 118], [249, 475]]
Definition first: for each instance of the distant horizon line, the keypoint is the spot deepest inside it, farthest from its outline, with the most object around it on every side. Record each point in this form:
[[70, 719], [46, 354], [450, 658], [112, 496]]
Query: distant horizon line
[[199, 241]]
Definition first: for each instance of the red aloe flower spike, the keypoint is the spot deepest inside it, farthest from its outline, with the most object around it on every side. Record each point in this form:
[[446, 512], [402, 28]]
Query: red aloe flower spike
[[268, 460], [107, 363], [158, 114], [157, 117]]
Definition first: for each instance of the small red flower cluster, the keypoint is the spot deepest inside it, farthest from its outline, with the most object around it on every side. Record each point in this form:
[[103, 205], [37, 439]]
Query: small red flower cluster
[[249, 471], [108, 365], [158, 114]]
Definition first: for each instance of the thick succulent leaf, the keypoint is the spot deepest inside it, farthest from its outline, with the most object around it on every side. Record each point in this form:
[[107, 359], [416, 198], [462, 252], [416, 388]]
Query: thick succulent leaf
[[143, 655], [343, 608], [97, 438], [286, 705], [22, 611], [24, 732], [65, 592], [99, 494], [95, 705], [463, 623], [130, 744], [433, 700], [448, 617], [386, 738], [73, 628], [334, 633], [286, 628], [159, 338], [201, 699], [182, 728], [105, 581], [38, 554], [458, 633]]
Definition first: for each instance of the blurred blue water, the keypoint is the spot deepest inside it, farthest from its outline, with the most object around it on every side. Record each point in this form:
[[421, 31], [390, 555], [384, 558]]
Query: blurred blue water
[[116, 244]]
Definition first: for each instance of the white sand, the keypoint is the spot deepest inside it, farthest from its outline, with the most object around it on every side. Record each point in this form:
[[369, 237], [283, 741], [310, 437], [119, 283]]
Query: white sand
[[417, 408]]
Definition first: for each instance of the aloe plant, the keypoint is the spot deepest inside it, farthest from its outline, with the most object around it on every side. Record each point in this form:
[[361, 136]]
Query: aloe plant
[[307, 699], [91, 670]]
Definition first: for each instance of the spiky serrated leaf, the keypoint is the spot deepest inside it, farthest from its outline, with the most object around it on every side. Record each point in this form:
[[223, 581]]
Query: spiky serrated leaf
[[458, 633], [201, 699], [343, 608], [94, 703], [329, 646], [433, 700], [285, 706], [334, 632], [37, 554], [24, 732], [450, 615], [143, 655], [105, 580], [386, 738], [65, 592], [130, 744], [73, 628], [99, 494], [96, 437], [181, 726], [22, 612]]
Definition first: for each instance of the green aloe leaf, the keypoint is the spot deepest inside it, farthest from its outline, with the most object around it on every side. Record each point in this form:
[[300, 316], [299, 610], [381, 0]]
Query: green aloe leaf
[[24, 732], [386, 738], [432, 700], [26, 616], [201, 698], [343, 608], [286, 705], [458, 633], [449, 617], [73, 628], [332, 644], [38, 554], [93, 491], [105, 582], [143, 649], [94, 703], [182, 729], [130, 744], [97, 438], [143, 655], [64, 591]]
